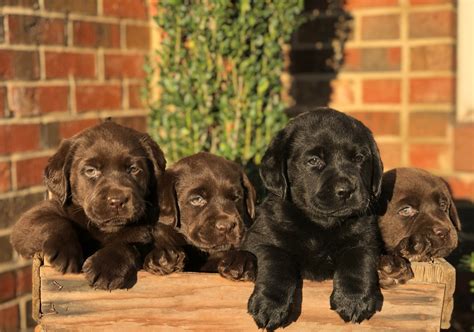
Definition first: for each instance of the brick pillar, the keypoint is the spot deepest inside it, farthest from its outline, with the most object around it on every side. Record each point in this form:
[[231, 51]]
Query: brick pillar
[[390, 63], [64, 66]]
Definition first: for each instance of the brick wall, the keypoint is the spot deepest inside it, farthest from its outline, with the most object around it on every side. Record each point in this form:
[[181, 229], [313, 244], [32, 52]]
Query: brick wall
[[64, 65], [390, 63]]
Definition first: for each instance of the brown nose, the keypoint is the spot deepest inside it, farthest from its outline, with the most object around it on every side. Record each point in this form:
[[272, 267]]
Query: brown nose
[[225, 225], [117, 201], [441, 232]]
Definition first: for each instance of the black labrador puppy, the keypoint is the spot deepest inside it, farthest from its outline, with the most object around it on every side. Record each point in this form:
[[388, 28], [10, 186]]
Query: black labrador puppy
[[418, 221], [103, 183], [206, 205], [323, 172]]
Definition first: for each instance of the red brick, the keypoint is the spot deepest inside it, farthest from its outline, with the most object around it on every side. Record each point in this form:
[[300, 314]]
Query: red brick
[[91, 34], [154, 7], [25, 29], [134, 96], [462, 188], [428, 124], [98, 97], [23, 65], [66, 6], [429, 156], [30, 172], [5, 177], [126, 8], [39, 100], [376, 27], [138, 36], [136, 122], [7, 286], [429, 2], [23, 281], [21, 3], [354, 4], [432, 24], [343, 92], [391, 154], [10, 318], [381, 91], [120, 66], [19, 137], [3, 104], [70, 128], [464, 148], [373, 59], [63, 64], [381, 123], [433, 57], [432, 90]]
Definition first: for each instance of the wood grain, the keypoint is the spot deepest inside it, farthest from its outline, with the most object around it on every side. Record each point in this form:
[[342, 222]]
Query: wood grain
[[205, 302]]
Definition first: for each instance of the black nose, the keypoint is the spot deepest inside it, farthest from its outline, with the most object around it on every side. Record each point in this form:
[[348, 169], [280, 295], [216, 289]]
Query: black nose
[[117, 201], [441, 232], [225, 225], [344, 190]]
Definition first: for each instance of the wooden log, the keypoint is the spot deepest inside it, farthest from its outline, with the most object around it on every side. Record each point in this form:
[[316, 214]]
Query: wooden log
[[203, 302]]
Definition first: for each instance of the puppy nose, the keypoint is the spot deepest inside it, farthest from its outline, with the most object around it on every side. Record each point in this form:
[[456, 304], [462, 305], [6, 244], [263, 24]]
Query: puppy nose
[[225, 225], [441, 232], [117, 201], [344, 190]]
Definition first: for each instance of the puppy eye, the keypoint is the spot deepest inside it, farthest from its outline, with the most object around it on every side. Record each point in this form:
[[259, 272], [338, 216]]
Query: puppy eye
[[316, 162], [407, 211], [134, 170], [197, 201], [91, 172], [359, 158]]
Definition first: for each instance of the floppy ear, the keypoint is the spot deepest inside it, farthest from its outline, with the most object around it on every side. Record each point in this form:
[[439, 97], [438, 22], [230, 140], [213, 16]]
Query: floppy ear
[[168, 201], [377, 168], [250, 195], [57, 171], [273, 167], [453, 212], [154, 154]]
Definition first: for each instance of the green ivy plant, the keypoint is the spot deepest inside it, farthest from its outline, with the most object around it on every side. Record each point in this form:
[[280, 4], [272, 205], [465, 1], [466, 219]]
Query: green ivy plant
[[219, 65]]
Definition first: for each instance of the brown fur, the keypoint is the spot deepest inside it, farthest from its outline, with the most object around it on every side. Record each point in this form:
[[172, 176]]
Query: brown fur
[[418, 221], [103, 184], [207, 204]]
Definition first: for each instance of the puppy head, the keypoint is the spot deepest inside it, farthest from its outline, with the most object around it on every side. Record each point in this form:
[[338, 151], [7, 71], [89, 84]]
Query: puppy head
[[326, 163], [109, 171], [209, 199], [418, 218]]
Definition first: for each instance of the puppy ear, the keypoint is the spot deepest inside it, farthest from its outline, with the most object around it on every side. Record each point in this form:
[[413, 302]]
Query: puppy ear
[[154, 154], [377, 167], [453, 212], [56, 173], [273, 166], [250, 195], [168, 201]]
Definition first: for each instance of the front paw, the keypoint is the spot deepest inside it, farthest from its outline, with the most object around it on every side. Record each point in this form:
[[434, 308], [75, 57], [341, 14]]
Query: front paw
[[111, 268], [238, 265], [164, 261], [64, 254], [269, 312], [393, 271], [415, 248], [356, 307]]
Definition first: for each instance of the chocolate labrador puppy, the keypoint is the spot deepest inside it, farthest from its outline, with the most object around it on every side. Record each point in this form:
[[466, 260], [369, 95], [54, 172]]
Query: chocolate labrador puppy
[[323, 172], [206, 205], [103, 183], [418, 221]]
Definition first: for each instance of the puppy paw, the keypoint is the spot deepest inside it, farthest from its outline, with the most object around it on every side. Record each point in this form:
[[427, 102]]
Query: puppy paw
[[269, 313], [238, 265], [415, 248], [64, 254], [111, 268], [393, 271], [164, 261], [356, 308]]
